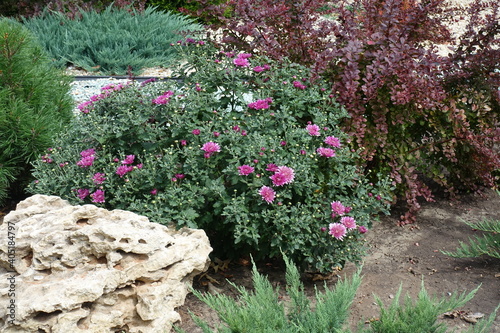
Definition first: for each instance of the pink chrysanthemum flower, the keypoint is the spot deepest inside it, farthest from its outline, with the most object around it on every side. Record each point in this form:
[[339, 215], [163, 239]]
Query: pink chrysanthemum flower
[[96, 98], [278, 179], [267, 194], [210, 147], [245, 170], [261, 104], [325, 152], [164, 98], [87, 152], [362, 229], [338, 208], [122, 170], [332, 141], [299, 85], [98, 196], [129, 159], [258, 69], [196, 131], [99, 178], [85, 107], [313, 130], [244, 55], [241, 62], [86, 161], [348, 222], [283, 175], [272, 167], [337, 230], [82, 193], [287, 172]]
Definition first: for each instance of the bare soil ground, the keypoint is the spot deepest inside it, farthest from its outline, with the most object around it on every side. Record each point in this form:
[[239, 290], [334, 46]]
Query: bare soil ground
[[397, 255]]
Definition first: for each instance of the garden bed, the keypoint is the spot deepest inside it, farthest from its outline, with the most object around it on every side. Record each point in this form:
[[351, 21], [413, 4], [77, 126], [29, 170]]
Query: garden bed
[[397, 255]]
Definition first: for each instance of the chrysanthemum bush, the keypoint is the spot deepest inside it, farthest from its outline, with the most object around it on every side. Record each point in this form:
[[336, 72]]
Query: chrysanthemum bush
[[246, 148]]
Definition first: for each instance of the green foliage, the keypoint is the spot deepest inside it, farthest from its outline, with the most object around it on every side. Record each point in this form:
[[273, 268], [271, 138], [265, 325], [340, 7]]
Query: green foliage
[[71, 8], [262, 311], [420, 316], [34, 105], [189, 7], [488, 244], [264, 187], [418, 115], [112, 41]]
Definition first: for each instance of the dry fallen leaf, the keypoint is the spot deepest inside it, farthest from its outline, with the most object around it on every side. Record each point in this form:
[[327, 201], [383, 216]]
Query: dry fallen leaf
[[472, 317]]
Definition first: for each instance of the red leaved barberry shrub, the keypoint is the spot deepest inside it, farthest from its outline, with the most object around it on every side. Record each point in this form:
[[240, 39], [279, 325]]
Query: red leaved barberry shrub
[[417, 113]]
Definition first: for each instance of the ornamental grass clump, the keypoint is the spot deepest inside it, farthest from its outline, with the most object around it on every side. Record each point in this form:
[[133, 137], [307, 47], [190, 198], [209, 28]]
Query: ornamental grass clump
[[235, 149], [261, 310]]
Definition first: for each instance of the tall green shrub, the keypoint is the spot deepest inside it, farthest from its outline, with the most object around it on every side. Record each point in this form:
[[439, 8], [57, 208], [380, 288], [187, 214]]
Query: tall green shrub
[[34, 104], [112, 41]]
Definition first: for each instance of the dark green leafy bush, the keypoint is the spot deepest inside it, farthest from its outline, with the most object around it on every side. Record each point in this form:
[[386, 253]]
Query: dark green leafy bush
[[247, 149], [70, 8], [112, 41], [183, 6], [34, 105], [417, 115]]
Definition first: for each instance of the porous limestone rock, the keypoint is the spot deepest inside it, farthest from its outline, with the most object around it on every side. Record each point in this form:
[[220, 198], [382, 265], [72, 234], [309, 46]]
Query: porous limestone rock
[[67, 268]]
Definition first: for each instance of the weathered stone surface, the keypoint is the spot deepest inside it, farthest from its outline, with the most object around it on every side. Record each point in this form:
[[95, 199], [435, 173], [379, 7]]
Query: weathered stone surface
[[87, 269]]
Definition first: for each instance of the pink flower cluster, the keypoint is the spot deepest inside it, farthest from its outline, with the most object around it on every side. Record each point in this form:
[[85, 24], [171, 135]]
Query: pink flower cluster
[[299, 85], [46, 159], [261, 104], [126, 166], [332, 141], [97, 196], [87, 106], [99, 178], [88, 157], [164, 98], [347, 223], [338, 209], [339, 230], [241, 60], [259, 69], [282, 175]]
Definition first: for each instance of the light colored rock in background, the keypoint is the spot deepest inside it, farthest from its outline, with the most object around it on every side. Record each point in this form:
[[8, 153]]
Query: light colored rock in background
[[87, 269]]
